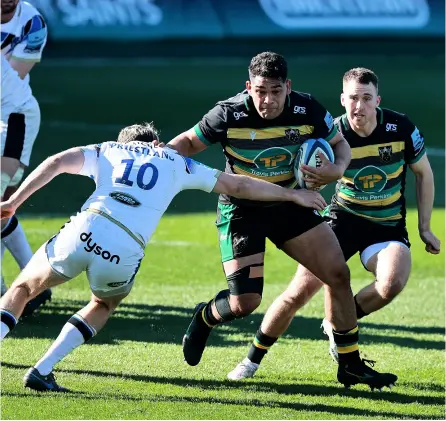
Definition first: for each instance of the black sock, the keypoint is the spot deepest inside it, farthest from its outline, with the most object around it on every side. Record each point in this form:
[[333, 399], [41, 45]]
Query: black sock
[[360, 313], [262, 343], [208, 317], [347, 344]]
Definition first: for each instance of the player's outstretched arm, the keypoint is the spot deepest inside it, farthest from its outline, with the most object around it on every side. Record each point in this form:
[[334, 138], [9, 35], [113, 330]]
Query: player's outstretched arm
[[70, 161], [245, 187], [187, 143], [425, 201]]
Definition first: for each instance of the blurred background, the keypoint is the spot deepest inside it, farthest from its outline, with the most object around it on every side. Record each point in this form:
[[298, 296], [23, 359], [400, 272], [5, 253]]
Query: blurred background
[[111, 63]]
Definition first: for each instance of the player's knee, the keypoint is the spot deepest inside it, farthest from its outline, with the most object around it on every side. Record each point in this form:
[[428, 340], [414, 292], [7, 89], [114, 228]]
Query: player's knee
[[106, 304], [26, 289], [243, 305], [246, 288], [391, 286], [339, 276], [247, 280]]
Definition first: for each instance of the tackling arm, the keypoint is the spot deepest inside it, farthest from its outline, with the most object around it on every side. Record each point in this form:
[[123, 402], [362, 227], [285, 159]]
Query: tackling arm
[[187, 143], [245, 187], [70, 161]]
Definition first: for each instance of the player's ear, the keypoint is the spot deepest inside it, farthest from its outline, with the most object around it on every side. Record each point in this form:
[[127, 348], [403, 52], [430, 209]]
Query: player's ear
[[248, 85], [342, 99], [378, 100], [288, 86]]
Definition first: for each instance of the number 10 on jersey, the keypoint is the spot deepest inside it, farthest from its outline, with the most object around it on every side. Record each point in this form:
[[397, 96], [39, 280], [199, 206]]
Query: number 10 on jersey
[[125, 178]]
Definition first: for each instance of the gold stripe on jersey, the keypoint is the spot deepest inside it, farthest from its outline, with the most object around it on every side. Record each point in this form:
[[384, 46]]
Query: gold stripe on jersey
[[272, 179], [389, 176], [372, 150], [375, 202], [373, 218], [267, 133], [233, 153]]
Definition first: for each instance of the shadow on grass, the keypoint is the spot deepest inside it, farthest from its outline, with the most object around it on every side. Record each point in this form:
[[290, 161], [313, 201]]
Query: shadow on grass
[[252, 386], [167, 324]]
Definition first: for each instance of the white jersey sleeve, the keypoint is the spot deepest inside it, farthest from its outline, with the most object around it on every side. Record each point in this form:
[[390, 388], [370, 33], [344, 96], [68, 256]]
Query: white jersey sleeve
[[25, 35], [91, 155], [195, 175]]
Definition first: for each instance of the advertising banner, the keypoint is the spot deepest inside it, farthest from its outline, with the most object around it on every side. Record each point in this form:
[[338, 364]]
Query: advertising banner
[[176, 19]]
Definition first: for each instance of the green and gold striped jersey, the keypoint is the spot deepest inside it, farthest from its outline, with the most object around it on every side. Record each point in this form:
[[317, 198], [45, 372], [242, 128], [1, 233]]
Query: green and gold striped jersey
[[373, 184], [261, 148]]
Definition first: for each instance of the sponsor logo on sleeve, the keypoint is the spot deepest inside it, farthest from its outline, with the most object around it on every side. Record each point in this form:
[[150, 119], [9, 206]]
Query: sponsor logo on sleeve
[[417, 141], [329, 120]]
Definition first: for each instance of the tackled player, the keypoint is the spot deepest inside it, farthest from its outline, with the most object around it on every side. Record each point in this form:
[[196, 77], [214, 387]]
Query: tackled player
[[367, 213], [261, 130]]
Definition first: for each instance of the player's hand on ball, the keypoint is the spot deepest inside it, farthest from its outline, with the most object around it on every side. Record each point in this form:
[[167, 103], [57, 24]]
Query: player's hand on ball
[[324, 174], [6, 210], [309, 199], [431, 241]]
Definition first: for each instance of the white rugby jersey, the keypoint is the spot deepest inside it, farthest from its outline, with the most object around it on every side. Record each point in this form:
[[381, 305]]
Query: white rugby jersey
[[135, 183], [25, 35], [15, 91]]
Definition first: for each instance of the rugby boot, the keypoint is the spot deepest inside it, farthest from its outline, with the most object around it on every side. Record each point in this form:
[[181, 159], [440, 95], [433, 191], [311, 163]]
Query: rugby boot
[[357, 372], [36, 381], [196, 336], [244, 370]]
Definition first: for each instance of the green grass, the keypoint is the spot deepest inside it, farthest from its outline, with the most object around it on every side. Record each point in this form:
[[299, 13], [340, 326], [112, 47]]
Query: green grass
[[134, 368]]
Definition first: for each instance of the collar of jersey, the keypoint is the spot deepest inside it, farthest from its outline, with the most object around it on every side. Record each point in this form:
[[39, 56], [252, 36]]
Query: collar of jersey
[[248, 98]]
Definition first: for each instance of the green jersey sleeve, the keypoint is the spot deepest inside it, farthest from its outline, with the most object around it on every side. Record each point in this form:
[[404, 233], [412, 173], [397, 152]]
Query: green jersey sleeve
[[213, 127]]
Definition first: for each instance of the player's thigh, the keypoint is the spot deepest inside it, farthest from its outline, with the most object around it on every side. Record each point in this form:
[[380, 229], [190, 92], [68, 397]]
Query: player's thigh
[[389, 261], [92, 243], [38, 274], [112, 275], [116, 260], [242, 238], [318, 250]]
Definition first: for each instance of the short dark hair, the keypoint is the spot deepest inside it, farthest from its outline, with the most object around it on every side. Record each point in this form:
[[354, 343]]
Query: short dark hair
[[362, 75], [269, 64], [145, 132]]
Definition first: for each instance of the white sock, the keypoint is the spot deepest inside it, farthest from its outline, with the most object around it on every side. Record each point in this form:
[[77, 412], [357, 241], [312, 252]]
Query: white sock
[[17, 243], [69, 339], [4, 330], [8, 318]]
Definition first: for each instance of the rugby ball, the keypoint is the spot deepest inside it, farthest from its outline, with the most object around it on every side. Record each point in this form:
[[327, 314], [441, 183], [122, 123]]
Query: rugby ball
[[308, 155]]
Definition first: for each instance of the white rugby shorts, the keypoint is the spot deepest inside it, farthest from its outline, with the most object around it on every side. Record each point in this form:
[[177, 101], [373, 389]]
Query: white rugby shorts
[[19, 127], [96, 245]]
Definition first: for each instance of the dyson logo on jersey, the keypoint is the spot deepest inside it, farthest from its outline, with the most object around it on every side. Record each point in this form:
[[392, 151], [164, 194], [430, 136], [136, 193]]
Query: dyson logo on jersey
[[96, 249]]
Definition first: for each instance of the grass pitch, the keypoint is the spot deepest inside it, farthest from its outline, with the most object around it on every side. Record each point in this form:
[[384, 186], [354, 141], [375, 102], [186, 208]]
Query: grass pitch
[[134, 368]]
